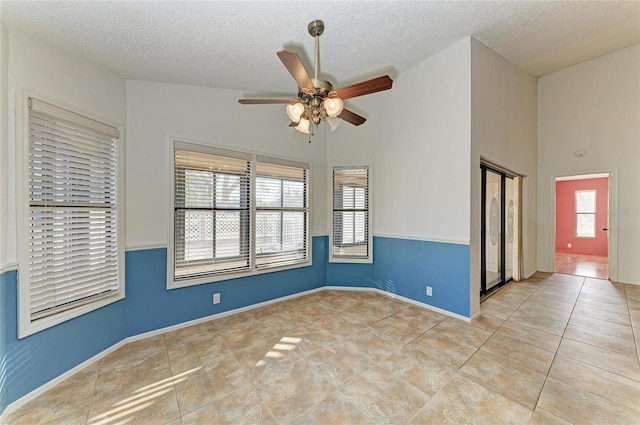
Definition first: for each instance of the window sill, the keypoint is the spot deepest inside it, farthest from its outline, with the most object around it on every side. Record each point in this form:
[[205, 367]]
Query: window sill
[[29, 327], [212, 278]]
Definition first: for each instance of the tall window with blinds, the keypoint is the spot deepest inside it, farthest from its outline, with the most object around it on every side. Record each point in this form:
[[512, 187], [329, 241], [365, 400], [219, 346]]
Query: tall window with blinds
[[211, 213], [236, 214], [72, 243], [350, 237], [282, 213]]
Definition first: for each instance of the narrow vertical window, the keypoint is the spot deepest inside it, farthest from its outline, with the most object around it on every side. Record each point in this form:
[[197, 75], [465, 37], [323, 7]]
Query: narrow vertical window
[[73, 247], [350, 237], [585, 213]]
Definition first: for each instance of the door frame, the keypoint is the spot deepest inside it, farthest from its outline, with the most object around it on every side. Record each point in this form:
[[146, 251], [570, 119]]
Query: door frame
[[612, 243], [504, 174]]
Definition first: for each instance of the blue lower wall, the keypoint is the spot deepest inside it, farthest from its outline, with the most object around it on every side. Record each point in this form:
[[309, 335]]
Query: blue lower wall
[[150, 306], [33, 361], [6, 279], [406, 266], [401, 266]]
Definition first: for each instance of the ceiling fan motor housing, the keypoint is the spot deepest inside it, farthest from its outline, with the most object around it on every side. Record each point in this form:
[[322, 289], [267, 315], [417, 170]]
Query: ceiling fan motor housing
[[312, 99]]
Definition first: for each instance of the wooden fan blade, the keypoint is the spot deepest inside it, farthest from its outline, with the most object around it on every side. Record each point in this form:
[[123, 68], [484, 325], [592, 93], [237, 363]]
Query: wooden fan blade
[[366, 87], [351, 117], [294, 65], [293, 124], [262, 101]]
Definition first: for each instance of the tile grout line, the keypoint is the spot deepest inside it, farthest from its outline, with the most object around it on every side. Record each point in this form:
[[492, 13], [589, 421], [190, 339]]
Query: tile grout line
[[633, 330], [505, 321], [555, 354], [459, 369]]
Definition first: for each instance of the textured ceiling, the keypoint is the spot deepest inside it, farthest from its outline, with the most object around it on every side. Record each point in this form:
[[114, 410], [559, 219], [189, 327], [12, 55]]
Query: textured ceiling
[[233, 44]]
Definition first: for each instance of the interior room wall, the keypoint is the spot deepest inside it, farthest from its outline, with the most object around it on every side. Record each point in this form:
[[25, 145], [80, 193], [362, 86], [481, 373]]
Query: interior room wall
[[503, 132], [30, 362], [5, 268], [157, 112], [4, 145], [566, 217], [595, 107], [417, 140]]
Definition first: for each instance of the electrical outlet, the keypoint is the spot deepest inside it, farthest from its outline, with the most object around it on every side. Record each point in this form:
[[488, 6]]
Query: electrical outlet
[[568, 245], [429, 291], [216, 298]]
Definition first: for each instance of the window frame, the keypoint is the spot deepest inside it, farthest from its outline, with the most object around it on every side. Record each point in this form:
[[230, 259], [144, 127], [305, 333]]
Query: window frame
[[244, 206], [26, 324], [305, 209], [253, 270], [369, 240], [578, 213]]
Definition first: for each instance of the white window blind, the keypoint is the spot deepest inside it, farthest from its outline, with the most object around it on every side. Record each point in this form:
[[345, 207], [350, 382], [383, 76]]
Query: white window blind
[[282, 213], [350, 233], [585, 213], [73, 203], [211, 212]]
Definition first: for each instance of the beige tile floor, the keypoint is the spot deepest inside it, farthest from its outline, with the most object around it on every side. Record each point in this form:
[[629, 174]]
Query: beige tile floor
[[555, 349]]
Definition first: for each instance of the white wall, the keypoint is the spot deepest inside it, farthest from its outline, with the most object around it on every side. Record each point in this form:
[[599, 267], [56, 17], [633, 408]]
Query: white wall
[[158, 111], [4, 70], [58, 76], [503, 131], [593, 106], [417, 139]]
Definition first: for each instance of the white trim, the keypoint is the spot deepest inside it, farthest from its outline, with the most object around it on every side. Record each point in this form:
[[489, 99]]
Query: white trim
[[221, 315], [9, 267], [142, 247], [401, 298], [60, 378], [26, 326], [57, 380], [528, 275], [232, 275], [252, 157], [472, 318], [425, 238], [370, 203], [612, 248], [582, 177]]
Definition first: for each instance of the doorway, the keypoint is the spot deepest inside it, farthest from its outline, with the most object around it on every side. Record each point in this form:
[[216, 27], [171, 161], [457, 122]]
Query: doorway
[[582, 225], [499, 228]]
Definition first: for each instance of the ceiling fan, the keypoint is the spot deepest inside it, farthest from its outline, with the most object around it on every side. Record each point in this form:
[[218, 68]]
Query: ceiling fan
[[317, 100]]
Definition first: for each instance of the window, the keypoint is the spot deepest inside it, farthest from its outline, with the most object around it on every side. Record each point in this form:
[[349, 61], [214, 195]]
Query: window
[[72, 245], [282, 214], [236, 213], [351, 236], [585, 213], [211, 213]]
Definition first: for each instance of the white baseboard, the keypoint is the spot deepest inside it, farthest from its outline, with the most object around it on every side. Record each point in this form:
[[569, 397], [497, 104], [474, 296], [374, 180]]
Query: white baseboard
[[43, 388], [399, 297], [528, 275], [57, 380], [60, 378]]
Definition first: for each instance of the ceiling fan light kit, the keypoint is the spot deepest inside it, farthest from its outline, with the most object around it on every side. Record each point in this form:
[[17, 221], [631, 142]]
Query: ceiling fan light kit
[[317, 101]]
